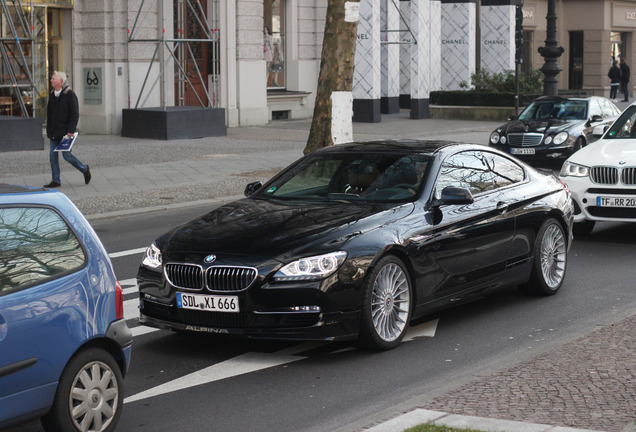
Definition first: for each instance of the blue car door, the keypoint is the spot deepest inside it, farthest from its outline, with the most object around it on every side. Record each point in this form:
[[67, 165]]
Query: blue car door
[[43, 306]]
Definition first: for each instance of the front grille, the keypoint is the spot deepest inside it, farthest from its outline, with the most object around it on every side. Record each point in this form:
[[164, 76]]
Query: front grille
[[229, 278], [611, 191], [613, 212], [227, 320], [187, 276], [604, 175], [628, 176], [218, 278], [524, 139]]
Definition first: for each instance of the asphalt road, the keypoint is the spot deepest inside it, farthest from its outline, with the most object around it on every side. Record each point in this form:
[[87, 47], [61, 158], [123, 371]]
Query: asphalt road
[[192, 383]]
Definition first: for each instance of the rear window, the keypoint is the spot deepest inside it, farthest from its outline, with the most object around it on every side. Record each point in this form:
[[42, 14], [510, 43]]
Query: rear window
[[36, 244]]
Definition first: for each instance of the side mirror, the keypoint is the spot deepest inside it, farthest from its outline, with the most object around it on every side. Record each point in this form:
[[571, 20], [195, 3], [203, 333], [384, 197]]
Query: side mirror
[[252, 187], [596, 118], [512, 117], [456, 195]]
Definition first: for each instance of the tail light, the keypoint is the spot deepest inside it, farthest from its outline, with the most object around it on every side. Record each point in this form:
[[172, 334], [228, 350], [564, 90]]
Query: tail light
[[119, 301]]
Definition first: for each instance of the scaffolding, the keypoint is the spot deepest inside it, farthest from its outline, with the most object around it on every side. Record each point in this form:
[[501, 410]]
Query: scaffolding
[[194, 30], [18, 56]]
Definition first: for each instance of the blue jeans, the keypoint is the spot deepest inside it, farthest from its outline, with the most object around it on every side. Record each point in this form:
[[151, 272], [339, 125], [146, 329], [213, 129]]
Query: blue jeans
[[68, 157]]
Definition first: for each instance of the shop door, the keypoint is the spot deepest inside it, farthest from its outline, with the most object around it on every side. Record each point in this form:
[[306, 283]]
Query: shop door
[[193, 56], [576, 60]]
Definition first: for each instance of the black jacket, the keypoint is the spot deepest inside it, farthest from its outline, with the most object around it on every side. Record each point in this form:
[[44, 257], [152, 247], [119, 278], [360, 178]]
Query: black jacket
[[625, 72], [614, 74], [62, 113]]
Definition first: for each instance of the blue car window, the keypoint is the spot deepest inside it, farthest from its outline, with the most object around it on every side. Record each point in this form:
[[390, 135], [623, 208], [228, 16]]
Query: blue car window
[[36, 244]]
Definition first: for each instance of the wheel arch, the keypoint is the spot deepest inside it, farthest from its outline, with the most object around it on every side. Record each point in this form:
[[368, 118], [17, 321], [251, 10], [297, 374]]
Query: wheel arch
[[402, 255], [111, 347]]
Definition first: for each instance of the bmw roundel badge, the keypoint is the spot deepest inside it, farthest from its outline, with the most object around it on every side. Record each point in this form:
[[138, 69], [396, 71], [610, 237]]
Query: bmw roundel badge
[[622, 162], [210, 258]]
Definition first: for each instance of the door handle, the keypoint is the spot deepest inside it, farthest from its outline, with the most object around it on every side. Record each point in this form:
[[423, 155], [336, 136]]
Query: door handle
[[502, 207]]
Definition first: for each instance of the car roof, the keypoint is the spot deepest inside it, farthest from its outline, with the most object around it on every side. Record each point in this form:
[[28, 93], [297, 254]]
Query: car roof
[[6, 188], [564, 98], [398, 146]]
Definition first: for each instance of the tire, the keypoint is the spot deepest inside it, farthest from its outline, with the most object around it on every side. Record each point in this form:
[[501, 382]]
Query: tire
[[386, 305], [89, 396], [583, 228], [550, 260]]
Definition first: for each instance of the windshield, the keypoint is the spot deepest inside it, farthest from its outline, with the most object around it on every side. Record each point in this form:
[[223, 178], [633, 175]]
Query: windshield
[[371, 177], [555, 110], [623, 127]]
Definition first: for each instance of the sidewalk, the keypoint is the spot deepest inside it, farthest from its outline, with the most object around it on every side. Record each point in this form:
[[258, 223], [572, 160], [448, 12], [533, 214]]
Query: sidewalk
[[589, 383]]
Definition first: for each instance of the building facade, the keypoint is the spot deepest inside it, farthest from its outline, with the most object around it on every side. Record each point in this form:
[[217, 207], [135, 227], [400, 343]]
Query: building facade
[[259, 59]]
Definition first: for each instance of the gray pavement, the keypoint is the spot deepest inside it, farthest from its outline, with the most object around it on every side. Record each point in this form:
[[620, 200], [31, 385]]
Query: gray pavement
[[589, 384]]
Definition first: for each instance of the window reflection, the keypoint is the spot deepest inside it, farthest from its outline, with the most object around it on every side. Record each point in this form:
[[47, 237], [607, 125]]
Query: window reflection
[[478, 172], [274, 43], [35, 244]]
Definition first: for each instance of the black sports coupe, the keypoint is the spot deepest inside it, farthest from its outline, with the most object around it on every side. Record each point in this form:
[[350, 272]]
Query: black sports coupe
[[551, 128], [353, 241]]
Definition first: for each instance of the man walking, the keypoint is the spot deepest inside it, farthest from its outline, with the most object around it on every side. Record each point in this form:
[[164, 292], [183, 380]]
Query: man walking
[[62, 114], [625, 72]]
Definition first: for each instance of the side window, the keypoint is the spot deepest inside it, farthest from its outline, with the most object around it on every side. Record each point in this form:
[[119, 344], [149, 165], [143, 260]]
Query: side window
[[479, 172], [504, 171], [595, 108], [609, 110], [35, 244]]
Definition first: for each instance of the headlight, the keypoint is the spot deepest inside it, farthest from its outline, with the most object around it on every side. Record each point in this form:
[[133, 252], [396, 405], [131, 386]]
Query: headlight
[[560, 138], [547, 140], [494, 137], [316, 267], [153, 257], [503, 139], [570, 169]]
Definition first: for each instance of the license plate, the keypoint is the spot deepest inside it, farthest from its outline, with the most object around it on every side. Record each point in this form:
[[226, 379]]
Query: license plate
[[212, 303], [603, 201], [522, 151]]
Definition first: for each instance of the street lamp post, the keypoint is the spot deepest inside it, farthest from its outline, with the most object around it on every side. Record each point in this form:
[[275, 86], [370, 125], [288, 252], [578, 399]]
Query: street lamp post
[[551, 52]]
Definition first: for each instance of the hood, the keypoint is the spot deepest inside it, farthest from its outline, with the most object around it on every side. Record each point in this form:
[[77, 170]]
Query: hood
[[609, 152], [268, 228], [553, 125]]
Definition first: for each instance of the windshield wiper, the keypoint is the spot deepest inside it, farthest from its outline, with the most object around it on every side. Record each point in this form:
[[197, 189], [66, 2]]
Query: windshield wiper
[[342, 195]]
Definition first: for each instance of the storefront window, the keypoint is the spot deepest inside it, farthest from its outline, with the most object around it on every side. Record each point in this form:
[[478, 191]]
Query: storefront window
[[274, 43], [617, 46], [576, 60]]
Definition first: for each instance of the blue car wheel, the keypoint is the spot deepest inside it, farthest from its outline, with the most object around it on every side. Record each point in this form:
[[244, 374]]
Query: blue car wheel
[[89, 396]]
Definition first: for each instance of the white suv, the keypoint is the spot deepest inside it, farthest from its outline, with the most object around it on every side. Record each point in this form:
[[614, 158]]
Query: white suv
[[602, 176]]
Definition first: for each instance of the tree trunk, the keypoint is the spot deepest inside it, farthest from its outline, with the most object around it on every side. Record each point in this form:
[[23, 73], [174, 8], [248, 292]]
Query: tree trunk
[[336, 69]]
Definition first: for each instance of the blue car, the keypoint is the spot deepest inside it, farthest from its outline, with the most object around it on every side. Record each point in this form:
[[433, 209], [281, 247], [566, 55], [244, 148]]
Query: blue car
[[64, 344]]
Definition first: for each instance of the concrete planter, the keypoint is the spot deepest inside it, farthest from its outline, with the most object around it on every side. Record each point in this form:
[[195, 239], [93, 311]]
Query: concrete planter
[[172, 123], [20, 133]]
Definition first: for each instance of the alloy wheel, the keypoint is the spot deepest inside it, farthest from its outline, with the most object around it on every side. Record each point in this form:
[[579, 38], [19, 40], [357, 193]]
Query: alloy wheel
[[390, 302], [553, 256]]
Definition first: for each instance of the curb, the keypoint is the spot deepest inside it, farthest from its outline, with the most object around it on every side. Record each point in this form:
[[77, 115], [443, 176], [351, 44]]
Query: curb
[[421, 416]]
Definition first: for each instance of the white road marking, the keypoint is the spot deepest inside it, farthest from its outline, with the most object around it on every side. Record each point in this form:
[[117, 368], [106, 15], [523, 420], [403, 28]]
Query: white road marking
[[240, 365], [426, 329], [127, 252]]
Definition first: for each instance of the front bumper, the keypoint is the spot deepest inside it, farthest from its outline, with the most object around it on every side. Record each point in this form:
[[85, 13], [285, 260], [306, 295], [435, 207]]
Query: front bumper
[[586, 201], [262, 325], [541, 153]]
